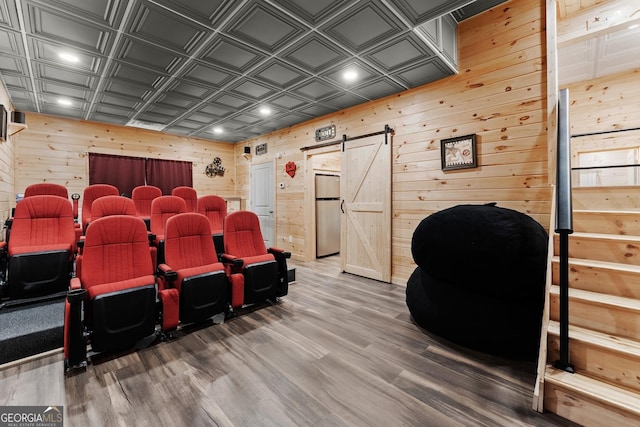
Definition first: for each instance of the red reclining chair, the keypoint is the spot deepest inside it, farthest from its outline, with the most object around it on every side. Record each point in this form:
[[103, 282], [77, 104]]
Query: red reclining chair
[[117, 284], [200, 283], [90, 194], [163, 208], [215, 209], [263, 271], [41, 248], [189, 195], [48, 189], [142, 197]]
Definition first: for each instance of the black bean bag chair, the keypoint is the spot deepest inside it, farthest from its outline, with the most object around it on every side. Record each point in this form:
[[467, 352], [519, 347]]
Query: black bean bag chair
[[480, 278]]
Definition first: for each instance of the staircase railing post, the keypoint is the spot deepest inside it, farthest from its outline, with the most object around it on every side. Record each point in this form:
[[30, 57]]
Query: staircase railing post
[[564, 222]]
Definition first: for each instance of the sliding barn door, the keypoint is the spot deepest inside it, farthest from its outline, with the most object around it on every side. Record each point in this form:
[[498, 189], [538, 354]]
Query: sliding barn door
[[366, 221]]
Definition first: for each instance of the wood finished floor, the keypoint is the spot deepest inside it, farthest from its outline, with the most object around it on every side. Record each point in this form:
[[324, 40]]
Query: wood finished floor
[[339, 350]]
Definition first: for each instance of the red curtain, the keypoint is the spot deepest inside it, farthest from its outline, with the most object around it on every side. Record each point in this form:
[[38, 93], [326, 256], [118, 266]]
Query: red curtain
[[169, 174], [126, 172], [121, 171]]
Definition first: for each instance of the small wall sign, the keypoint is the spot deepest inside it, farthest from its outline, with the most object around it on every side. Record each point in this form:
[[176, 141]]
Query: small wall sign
[[327, 132], [261, 149]]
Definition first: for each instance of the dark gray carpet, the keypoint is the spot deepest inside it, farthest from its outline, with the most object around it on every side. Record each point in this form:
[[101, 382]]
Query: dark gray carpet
[[31, 329]]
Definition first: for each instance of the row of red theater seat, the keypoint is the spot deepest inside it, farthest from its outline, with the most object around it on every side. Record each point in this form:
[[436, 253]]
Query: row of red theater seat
[[112, 301]]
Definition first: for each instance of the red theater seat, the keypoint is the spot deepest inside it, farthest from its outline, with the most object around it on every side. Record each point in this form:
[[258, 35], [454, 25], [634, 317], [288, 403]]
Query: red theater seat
[[201, 281], [215, 209], [46, 189], [163, 208], [41, 247], [189, 195], [117, 277], [142, 197], [264, 271], [92, 193]]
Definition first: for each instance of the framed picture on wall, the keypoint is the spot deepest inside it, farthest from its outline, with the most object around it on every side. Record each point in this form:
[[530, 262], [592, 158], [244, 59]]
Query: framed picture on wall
[[3, 123], [459, 152]]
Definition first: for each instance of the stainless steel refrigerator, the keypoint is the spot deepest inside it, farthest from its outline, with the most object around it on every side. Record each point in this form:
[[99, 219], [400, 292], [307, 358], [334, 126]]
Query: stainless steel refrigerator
[[327, 215]]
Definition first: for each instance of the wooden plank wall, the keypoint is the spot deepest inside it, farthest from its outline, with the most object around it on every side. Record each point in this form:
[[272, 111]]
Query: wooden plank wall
[[499, 94], [605, 104], [55, 149], [7, 165]]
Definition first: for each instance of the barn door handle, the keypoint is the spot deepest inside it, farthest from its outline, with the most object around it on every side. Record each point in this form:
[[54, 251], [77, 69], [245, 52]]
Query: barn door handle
[[342, 205]]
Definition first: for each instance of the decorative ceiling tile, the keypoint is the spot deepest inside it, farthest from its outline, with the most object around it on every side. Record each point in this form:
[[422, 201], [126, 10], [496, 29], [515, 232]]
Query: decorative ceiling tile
[[206, 12], [148, 55], [279, 74], [13, 65], [287, 101], [344, 100], [103, 12], [251, 89], [152, 23], [316, 110], [363, 26], [419, 11], [315, 89], [131, 73], [64, 75], [44, 51], [264, 26], [217, 110], [424, 72], [313, 12], [399, 52], [360, 73], [378, 89], [232, 55], [10, 43], [314, 53], [232, 101], [64, 28], [208, 75]]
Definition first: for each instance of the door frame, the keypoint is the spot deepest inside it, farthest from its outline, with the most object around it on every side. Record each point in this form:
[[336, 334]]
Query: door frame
[[310, 199]]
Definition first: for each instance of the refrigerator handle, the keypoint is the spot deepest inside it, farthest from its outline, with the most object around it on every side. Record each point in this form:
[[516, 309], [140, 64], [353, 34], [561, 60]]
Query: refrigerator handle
[[342, 205]]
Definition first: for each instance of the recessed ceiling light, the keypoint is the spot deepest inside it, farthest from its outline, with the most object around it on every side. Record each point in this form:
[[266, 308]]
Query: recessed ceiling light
[[350, 75], [64, 101], [218, 130], [69, 57], [265, 111]]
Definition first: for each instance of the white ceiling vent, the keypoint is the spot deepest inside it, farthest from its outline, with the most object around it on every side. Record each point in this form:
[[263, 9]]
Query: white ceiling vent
[[145, 125]]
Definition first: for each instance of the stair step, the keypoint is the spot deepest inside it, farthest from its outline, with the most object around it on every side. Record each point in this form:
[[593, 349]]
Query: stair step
[[606, 198], [610, 358], [603, 247], [588, 401], [607, 222], [601, 276], [608, 314]]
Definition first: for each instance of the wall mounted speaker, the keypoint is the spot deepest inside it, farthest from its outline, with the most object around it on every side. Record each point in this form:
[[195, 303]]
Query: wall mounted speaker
[[18, 117], [247, 150]]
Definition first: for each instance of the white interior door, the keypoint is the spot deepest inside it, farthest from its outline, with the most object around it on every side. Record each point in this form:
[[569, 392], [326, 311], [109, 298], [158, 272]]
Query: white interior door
[[366, 222], [262, 199]]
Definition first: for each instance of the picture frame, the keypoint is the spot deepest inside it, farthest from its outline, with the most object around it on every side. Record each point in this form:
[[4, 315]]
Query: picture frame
[[3, 122], [459, 152]]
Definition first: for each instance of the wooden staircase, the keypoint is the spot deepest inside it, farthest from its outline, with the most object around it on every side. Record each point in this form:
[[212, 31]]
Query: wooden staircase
[[604, 314]]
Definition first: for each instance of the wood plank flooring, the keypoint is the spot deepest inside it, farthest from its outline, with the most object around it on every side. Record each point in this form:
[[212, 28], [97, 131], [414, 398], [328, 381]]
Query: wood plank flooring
[[339, 350]]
